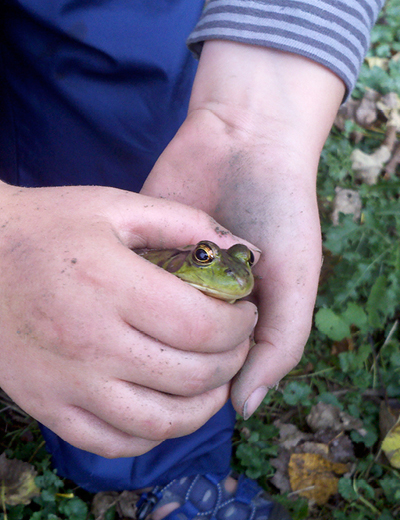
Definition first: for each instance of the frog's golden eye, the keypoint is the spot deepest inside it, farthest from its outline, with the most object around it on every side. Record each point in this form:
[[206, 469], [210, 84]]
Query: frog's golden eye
[[203, 254]]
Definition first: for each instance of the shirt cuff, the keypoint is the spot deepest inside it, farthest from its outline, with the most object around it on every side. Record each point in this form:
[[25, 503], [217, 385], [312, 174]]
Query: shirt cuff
[[334, 33]]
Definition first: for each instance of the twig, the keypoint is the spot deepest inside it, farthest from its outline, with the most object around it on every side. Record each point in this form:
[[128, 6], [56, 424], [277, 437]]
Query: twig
[[309, 488], [389, 336], [3, 500], [37, 449], [390, 168], [377, 368]]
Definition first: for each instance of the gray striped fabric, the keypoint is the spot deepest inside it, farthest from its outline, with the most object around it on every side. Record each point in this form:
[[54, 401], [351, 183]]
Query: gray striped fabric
[[335, 33]]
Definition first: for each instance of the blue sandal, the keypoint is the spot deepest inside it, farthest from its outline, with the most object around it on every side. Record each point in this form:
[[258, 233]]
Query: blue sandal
[[204, 497]]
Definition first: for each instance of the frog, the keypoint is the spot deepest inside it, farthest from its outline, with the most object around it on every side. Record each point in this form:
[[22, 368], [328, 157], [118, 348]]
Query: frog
[[221, 273]]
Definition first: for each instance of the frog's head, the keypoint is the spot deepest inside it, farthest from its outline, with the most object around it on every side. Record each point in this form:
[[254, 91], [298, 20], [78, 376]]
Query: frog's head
[[222, 273]]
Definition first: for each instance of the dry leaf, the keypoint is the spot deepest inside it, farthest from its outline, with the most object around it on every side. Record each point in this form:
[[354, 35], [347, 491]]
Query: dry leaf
[[314, 477], [340, 446], [124, 502], [318, 448], [366, 113], [389, 104], [347, 202], [375, 61], [389, 412], [126, 506], [363, 111], [345, 112], [345, 345], [102, 502], [17, 480], [391, 166], [368, 167], [324, 416], [289, 435], [280, 478]]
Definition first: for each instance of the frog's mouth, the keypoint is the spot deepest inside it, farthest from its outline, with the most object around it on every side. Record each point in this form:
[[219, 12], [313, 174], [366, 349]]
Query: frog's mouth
[[228, 297]]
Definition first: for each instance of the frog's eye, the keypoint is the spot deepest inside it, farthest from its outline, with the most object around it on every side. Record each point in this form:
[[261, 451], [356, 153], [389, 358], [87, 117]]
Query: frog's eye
[[242, 253], [203, 254], [251, 258]]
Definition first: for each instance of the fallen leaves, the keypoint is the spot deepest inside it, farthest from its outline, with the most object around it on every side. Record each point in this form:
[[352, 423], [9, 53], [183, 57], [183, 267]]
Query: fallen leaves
[[347, 202], [311, 464], [368, 167], [363, 111], [315, 477], [325, 416], [379, 113], [124, 503], [17, 480], [382, 63]]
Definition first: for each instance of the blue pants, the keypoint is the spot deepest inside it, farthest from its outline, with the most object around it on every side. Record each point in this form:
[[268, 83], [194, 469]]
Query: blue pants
[[208, 450], [91, 93]]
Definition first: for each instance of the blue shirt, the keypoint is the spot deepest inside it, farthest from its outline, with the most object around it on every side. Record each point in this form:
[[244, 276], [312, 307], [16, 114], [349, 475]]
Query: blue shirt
[[91, 91]]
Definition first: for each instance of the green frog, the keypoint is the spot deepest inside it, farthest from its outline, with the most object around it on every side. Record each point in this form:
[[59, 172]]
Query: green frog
[[221, 273]]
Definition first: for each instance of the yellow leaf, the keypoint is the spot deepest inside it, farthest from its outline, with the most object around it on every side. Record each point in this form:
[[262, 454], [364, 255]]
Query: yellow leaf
[[314, 477], [391, 445], [375, 61]]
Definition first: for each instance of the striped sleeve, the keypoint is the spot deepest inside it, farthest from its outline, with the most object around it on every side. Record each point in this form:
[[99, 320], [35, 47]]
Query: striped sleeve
[[335, 33]]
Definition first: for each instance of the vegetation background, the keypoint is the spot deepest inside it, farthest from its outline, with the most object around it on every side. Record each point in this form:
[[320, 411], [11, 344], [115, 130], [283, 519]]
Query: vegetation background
[[328, 438]]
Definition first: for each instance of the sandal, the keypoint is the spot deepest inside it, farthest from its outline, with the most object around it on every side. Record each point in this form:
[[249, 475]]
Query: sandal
[[204, 497]]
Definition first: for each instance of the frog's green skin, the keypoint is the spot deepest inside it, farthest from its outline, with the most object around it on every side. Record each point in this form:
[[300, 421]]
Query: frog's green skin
[[221, 273]]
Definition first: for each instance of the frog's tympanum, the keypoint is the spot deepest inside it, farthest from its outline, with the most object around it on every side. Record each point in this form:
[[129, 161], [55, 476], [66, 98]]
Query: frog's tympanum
[[221, 273]]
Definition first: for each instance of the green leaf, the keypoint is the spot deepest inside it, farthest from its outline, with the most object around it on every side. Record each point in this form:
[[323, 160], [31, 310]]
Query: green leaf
[[345, 488], [111, 514], [338, 237], [296, 393], [49, 479], [75, 509], [355, 315], [386, 515], [48, 495], [328, 398], [299, 509], [377, 302], [332, 324], [368, 440], [395, 359], [250, 458], [391, 488], [365, 489]]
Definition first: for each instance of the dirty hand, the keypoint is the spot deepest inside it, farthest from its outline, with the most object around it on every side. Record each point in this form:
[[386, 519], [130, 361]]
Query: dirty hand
[[248, 154], [107, 350]]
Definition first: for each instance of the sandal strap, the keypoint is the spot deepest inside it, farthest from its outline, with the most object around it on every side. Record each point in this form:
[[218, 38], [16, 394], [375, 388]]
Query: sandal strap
[[205, 496], [247, 489]]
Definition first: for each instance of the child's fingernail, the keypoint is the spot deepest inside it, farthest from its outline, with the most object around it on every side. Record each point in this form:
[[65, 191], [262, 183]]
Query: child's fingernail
[[254, 401]]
